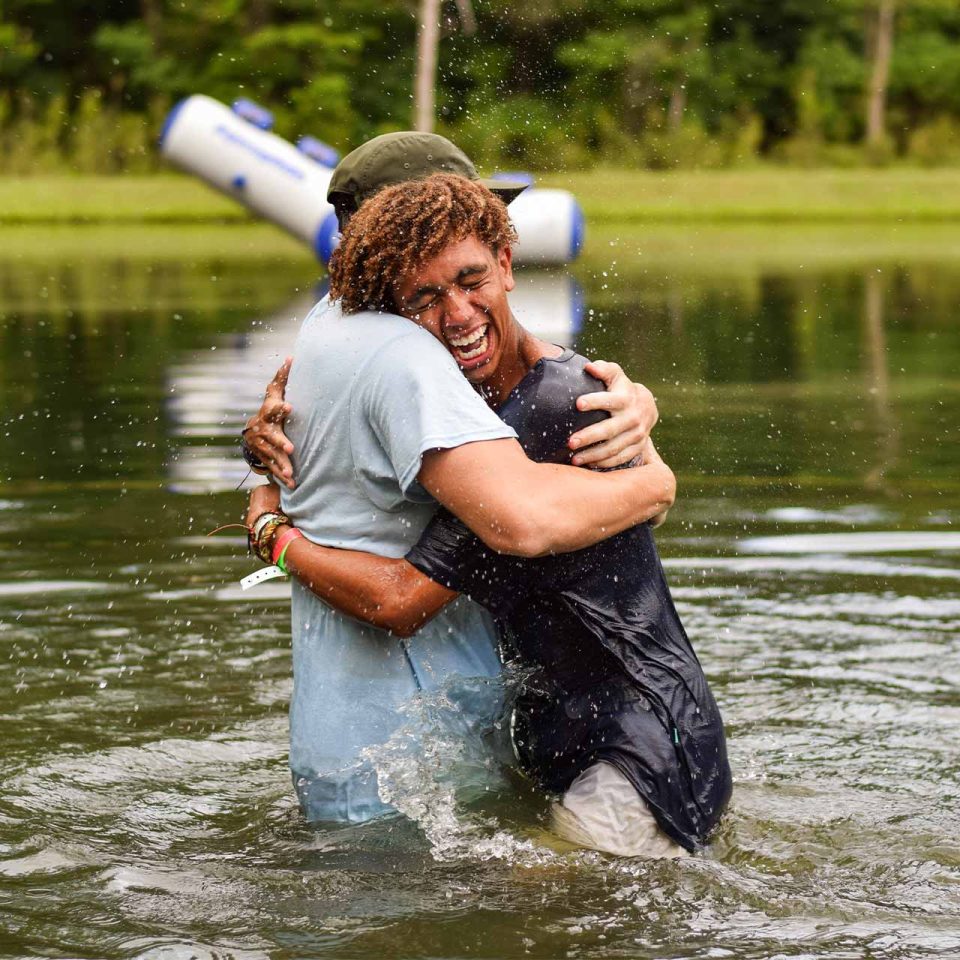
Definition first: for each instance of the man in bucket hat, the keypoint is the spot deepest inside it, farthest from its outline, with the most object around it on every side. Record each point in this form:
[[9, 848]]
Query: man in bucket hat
[[372, 395]]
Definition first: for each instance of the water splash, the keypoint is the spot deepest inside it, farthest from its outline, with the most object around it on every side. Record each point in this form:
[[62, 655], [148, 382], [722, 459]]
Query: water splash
[[439, 760]]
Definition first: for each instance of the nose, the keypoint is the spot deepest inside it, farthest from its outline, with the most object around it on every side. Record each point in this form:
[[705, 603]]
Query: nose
[[459, 310]]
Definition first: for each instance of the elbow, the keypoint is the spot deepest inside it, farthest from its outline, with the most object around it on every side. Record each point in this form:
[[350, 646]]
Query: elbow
[[669, 493], [521, 536], [664, 495], [401, 623], [395, 617]]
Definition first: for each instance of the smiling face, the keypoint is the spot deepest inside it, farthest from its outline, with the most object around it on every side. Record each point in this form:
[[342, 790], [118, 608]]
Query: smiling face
[[460, 296]]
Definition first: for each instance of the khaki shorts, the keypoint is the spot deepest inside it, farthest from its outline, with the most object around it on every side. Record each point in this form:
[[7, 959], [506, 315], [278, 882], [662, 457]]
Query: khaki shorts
[[602, 810]]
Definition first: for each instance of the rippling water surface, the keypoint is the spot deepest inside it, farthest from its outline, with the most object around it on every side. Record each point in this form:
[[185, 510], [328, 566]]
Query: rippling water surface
[[812, 417]]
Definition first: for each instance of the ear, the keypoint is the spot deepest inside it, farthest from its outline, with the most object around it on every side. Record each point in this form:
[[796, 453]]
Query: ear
[[505, 262]]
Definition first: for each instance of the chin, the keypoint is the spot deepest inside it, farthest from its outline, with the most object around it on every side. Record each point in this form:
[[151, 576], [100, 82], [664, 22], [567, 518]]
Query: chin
[[482, 371]]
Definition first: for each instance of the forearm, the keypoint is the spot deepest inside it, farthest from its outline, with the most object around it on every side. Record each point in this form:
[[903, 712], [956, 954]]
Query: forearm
[[385, 592], [580, 508], [528, 509]]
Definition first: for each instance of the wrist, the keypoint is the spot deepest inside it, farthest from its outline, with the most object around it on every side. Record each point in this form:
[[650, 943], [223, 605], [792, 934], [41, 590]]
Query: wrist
[[283, 539], [250, 456], [262, 533]]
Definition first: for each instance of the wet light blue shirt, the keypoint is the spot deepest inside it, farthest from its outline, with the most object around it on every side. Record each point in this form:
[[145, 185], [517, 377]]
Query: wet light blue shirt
[[371, 393]]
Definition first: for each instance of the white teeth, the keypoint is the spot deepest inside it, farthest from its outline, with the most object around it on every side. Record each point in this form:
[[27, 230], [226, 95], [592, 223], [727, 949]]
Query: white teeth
[[477, 351], [469, 339]]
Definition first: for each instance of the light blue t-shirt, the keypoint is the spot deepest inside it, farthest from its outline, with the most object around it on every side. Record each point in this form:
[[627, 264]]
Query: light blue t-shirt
[[371, 393]]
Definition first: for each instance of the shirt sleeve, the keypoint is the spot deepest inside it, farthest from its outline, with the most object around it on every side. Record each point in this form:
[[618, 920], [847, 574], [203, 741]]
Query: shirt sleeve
[[451, 554], [416, 399]]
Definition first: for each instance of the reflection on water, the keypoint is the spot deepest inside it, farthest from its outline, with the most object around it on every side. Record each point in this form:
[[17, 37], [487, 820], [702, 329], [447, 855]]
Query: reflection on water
[[812, 416], [213, 391]]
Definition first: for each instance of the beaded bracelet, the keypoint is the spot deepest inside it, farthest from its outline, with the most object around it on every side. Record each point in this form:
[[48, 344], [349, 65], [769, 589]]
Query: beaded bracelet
[[262, 531]]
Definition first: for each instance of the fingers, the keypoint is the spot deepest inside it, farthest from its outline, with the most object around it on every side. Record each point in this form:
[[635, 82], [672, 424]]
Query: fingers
[[605, 400], [282, 470], [273, 449], [611, 453], [621, 393], [618, 438], [626, 424], [277, 387], [610, 373], [273, 410], [268, 441]]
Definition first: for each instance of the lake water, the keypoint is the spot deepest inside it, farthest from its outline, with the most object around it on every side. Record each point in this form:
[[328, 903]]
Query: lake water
[[809, 385]]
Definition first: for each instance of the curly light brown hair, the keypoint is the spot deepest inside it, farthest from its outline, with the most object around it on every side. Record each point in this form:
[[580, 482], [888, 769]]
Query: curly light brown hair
[[404, 226]]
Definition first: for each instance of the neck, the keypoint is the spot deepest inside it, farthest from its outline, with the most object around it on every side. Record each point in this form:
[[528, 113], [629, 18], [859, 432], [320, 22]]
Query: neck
[[520, 354]]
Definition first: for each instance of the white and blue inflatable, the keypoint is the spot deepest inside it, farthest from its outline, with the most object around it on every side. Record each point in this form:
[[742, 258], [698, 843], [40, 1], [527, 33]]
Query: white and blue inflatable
[[234, 151]]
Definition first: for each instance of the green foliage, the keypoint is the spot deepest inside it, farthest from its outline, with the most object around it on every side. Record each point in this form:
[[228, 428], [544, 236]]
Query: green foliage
[[547, 84], [936, 143]]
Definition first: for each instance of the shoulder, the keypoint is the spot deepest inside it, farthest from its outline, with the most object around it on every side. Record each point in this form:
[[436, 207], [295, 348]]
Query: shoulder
[[370, 342], [398, 349], [560, 380], [543, 409], [404, 368]]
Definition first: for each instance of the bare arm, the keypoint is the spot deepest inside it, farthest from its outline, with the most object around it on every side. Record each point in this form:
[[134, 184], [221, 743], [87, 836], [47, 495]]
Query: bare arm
[[530, 509], [388, 593], [610, 443]]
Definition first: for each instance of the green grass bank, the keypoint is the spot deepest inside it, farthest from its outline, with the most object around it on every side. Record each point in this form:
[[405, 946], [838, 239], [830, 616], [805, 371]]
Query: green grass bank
[[762, 195]]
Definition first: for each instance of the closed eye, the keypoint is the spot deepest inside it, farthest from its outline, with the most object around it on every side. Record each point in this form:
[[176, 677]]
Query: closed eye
[[423, 302]]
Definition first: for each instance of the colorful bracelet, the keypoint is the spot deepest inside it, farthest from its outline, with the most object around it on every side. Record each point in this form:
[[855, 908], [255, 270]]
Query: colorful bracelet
[[282, 559], [281, 544], [262, 532]]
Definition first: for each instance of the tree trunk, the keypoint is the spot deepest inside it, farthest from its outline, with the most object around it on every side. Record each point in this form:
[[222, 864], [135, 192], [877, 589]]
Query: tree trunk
[[678, 103], [880, 74], [258, 15], [424, 89], [886, 426], [152, 15], [468, 22]]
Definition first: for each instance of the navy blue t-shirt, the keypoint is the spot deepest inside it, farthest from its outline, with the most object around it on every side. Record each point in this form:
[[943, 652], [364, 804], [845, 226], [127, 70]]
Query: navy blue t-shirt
[[612, 673]]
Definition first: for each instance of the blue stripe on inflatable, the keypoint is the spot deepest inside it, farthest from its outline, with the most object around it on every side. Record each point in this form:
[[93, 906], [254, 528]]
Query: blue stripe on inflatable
[[319, 151], [169, 122], [253, 113], [578, 228], [326, 238]]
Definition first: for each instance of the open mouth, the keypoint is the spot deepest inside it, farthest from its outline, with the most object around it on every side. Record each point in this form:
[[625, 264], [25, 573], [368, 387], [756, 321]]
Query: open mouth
[[470, 346]]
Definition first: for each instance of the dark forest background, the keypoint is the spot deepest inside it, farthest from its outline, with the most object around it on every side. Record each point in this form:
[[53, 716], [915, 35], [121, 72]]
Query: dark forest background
[[547, 84]]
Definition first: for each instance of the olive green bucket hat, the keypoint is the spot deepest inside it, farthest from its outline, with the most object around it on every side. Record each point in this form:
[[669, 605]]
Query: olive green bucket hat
[[408, 155]]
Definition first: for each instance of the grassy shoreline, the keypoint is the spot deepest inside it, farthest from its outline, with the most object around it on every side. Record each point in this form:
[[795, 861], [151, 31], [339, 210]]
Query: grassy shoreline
[[763, 195]]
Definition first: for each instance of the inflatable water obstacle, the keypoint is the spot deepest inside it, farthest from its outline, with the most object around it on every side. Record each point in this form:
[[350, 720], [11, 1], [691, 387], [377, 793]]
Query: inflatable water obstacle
[[234, 151]]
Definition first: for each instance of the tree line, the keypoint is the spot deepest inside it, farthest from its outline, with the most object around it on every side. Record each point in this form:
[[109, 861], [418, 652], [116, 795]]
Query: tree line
[[543, 84]]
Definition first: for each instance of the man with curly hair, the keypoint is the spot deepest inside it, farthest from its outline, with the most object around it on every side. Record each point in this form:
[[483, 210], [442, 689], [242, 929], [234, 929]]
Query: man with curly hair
[[385, 427]]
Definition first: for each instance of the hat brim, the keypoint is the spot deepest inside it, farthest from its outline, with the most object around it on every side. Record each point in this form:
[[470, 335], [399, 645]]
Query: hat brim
[[506, 190]]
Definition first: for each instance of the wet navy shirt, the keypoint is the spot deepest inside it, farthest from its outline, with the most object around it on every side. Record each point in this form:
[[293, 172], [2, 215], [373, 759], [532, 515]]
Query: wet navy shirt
[[612, 673]]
